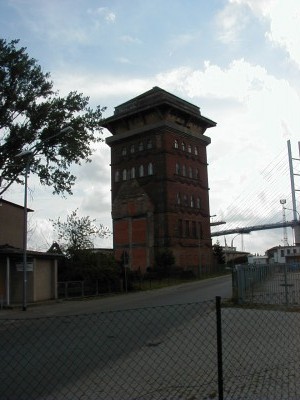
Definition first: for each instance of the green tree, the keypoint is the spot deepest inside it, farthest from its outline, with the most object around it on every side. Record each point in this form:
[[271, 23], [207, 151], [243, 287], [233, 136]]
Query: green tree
[[218, 253], [77, 234], [32, 114]]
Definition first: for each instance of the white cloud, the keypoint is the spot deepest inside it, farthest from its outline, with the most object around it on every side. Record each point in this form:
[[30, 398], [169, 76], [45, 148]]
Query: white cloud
[[230, 22], [284, 22]]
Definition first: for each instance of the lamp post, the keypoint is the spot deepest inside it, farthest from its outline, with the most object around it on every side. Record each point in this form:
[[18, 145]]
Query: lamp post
[[28, 155], [233, 240]]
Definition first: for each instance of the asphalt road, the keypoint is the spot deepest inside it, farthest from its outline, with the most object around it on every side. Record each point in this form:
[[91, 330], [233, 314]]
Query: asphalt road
[[97, 348], [185, 293]]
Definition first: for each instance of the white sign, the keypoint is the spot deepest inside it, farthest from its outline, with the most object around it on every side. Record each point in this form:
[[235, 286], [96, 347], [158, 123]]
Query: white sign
[[29, 267]]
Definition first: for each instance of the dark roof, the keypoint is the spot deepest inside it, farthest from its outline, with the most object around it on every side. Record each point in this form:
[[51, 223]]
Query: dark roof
[[7, 249], [153, 98], [14, 204]]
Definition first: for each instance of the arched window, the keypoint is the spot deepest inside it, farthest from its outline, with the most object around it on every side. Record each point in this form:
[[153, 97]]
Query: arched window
[[149, 144], [198, 203], [190, 172], [183, 146], [196, 150], [176, 144], [196, 173], [178, 199], [150, 169], [185, 200], [177, 169], [124, 175], [141, 170], [124, 151], [132, 148], [189, 148], [192, 201], [132, 173], [117, 176], [183, 170], [141, 146]]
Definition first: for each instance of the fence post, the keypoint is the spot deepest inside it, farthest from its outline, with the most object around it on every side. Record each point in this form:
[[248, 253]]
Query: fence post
[[219, 347]]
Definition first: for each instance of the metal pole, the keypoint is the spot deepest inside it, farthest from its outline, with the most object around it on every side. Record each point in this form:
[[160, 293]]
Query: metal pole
[[25, 239], [219, 347], [292, 180]]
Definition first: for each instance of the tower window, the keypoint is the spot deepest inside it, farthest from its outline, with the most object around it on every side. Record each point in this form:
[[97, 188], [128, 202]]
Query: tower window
[[141, 146], [189, 148], [150, 169], [196, 173], [196, 150], [141, 170], [176, 144], [198, 202], [117, 176], [177, 169], [124, 175], [190, 172], [132, 148], [192, 201], [132, 173], [183, 146], [178, 199], [149, 144], [124, 151], [184, 170]]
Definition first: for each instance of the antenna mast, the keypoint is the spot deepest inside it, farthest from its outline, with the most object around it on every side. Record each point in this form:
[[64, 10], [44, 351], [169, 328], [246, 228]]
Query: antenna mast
[[285, 238]]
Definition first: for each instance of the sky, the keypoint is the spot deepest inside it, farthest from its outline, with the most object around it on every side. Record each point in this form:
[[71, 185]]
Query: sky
[[238, 60]]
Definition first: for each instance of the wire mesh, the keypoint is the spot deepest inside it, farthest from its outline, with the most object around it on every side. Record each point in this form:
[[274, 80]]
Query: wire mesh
[[152, 353], [157, 353]]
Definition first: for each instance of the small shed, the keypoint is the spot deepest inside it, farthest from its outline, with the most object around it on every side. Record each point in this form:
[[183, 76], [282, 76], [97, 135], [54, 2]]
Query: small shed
[[41, 274]]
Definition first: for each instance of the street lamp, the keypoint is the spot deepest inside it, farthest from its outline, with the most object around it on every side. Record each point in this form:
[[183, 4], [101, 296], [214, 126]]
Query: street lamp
[[28, 156], [233, 239]]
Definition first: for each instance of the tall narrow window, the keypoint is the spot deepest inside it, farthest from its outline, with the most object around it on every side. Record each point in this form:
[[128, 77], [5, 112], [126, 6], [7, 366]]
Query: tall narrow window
[[184, 170], [183, 146], [141, 146], [150, 169], [124, 174], [190, 172], [149, 144], [124, 151], [178, 199], [185, 200], [117, 176], [189, 148], [132, 148], [194, 229], [177, 169], [198, 203], [176, 144], [192, 201], [200, 232], [141, 170], [196, 150], [187, 228], [180, 227], [196, 173], [132, 172]]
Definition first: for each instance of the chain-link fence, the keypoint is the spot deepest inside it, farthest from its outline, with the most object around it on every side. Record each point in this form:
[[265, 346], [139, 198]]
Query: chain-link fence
[[191, 351]]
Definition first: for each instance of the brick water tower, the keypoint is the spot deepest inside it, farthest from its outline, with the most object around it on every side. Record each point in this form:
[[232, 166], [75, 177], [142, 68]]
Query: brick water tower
[[159, 181]]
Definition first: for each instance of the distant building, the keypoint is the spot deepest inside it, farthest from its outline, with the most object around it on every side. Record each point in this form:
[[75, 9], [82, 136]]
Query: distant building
[[284, 254], [233, 256], [159, 182], [254, 259]]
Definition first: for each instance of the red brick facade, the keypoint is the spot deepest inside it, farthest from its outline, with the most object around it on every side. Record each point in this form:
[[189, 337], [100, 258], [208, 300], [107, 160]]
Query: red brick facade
[[159, 180]]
